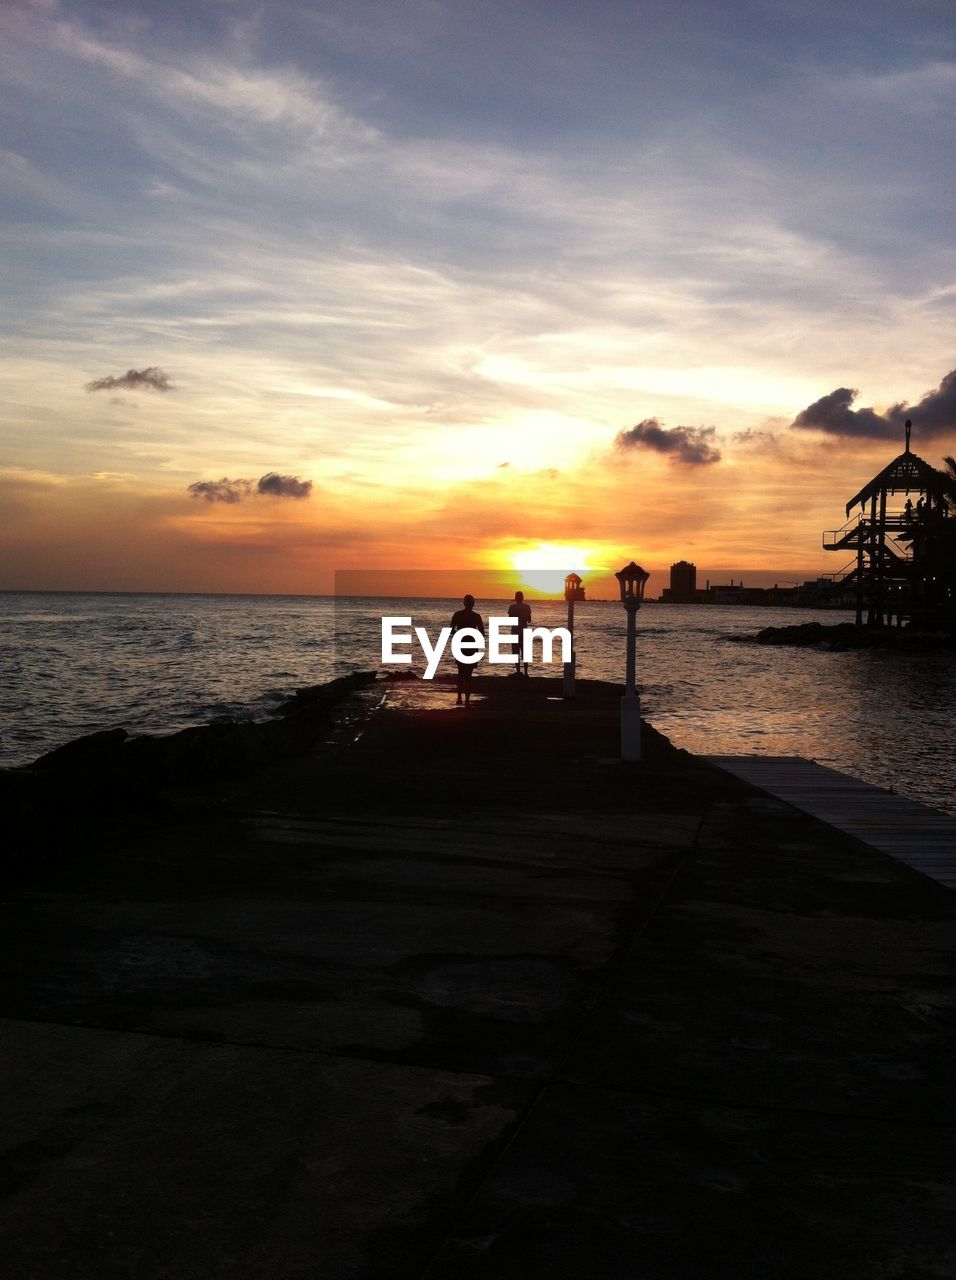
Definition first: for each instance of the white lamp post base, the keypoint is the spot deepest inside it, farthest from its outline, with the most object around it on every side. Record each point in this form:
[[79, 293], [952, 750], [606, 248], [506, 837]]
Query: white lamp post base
[[631, 728], [569, 667]]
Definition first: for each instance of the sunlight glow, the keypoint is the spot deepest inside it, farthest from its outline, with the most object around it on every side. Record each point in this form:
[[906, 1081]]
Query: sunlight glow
[[544, 567], [552, 555]]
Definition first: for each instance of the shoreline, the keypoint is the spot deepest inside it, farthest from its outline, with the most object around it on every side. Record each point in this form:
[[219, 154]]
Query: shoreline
[[847, 635]]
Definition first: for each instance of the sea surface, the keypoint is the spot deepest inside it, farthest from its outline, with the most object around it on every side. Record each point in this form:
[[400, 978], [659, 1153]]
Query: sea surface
[[72, 663]]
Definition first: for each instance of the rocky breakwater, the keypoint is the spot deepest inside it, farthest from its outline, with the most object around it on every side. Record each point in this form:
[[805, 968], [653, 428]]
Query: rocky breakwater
[[67, 799], [847, 635]]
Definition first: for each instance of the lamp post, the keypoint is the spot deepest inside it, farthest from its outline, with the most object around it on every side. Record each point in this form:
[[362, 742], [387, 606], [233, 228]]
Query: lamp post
[[632, 580], [573, 590]]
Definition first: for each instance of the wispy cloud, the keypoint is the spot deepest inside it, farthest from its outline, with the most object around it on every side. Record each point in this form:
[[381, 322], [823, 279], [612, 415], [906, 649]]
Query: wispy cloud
[[755, 439], [459, 276], [151, 379], [234, 93], [922, 89], [224, 490]]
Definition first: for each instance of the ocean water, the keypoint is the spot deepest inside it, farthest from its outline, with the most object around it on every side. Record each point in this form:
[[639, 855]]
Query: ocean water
[[72, 663]]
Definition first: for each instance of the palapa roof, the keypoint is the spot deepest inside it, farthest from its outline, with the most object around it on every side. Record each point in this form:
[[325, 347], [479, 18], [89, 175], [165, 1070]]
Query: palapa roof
[[905, 473]]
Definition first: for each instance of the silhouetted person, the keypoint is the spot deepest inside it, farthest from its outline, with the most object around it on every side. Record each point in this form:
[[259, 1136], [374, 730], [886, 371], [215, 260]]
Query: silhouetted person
[[461, 619], [522, 612]]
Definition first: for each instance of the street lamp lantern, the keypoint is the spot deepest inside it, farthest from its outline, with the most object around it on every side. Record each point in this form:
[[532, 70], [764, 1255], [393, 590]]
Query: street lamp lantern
[[632, 580]]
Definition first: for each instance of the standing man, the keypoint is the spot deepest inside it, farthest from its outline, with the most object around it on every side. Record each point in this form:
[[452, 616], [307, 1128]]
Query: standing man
[[522, 612], [460, 620]]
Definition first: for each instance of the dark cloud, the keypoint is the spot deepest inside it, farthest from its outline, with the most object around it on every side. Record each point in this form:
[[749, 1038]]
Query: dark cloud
[[224, 490], [936, 412], [934, 415], [270, 485], [833, 415], [694, 446], [151, 379], [283, 486]]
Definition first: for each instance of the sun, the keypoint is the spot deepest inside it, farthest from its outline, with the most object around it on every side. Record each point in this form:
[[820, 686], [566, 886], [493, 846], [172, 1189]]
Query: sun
[[545, 566]]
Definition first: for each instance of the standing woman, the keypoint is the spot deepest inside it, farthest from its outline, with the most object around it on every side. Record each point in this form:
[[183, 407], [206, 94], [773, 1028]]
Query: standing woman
[[461, 620]]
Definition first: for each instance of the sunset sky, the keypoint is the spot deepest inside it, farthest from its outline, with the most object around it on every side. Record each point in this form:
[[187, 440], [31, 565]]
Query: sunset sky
[[299, 287]]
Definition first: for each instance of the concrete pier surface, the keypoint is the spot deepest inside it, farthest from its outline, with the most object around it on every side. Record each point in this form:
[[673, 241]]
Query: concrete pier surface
[[468, 997]]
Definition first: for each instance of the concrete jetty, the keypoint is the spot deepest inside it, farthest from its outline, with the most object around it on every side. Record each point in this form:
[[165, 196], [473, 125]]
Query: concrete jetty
[[459, 995]]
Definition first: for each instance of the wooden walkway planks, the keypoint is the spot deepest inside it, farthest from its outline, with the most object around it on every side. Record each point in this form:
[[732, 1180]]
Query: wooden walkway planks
[[912, 833]]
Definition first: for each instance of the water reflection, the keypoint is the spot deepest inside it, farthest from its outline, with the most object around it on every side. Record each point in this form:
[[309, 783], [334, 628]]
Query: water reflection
[[883, 716], [78, 662]]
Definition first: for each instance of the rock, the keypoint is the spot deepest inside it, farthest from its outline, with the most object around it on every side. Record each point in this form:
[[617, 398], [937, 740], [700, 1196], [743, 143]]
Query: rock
[[318, 697], [67, 799], [94, 751], [847, 635]]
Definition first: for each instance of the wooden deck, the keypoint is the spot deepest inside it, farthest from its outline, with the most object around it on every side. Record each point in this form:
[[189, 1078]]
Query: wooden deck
[[912, 833]]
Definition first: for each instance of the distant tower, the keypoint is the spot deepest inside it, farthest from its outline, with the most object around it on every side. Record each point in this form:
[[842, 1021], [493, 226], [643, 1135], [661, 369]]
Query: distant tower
[[904, 553], [683, 580]]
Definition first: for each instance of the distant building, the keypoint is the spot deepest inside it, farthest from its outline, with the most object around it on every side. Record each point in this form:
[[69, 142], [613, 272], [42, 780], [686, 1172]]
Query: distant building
[[737, 593], [821, 593], [683, 587]]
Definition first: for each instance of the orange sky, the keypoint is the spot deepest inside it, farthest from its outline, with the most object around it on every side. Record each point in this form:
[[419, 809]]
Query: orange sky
[[292, 292], [759, 512]]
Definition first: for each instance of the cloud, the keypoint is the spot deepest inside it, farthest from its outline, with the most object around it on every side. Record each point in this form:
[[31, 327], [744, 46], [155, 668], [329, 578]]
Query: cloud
[[271, 485], [283, 486], [151, 379], [693, 446], [833, 415], [755, 439], [224, 490], [934, 415], [936, 412]]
